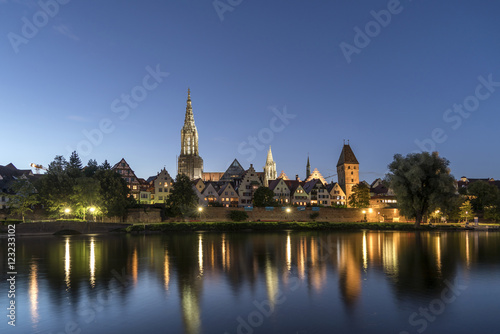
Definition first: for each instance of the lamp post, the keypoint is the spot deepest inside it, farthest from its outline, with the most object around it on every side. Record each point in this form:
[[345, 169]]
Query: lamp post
[[66, 212], [364, 213], [200, 209], [288, 210], [92, 210]]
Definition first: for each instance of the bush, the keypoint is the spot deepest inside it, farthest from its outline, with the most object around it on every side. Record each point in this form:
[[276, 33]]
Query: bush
[[238, 216], [314, 215]]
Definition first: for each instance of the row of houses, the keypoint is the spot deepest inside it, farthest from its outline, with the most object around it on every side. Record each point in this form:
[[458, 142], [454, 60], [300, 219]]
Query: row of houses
[[236, 186]]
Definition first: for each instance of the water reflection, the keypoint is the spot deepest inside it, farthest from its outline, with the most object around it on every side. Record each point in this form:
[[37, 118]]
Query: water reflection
[[33, 293], [245, 265]]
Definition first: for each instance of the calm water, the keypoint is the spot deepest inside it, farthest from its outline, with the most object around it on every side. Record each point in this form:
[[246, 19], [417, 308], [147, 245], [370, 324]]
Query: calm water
[[286, 282]]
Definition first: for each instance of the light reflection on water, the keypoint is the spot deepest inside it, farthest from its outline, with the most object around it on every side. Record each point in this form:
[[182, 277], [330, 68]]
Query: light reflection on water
[[284, 282]]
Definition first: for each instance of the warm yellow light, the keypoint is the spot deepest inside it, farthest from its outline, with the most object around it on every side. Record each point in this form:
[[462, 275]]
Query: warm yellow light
[[92, 209], [200, 209], [364, 211], [67, 210], [287, 209]]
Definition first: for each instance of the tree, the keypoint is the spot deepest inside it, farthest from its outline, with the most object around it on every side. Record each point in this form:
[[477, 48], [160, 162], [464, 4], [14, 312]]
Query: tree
[[86, 195], [492, 212], [360, 197], [74, 167], [23, 197], [422, 183], [182, 199], [114, 193], [263, 196], [483, 195], [55, 187], [466, 211], [91, 168]]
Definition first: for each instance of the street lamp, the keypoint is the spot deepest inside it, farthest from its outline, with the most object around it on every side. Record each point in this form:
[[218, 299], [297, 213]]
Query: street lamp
[[364, 213], [66, 212], [92, 210], [200, 209]]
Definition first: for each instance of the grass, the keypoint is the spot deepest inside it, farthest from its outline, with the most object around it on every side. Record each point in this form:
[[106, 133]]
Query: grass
[[273, 226]]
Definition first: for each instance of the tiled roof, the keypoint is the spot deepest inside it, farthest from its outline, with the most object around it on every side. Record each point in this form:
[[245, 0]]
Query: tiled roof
[[347, 156]]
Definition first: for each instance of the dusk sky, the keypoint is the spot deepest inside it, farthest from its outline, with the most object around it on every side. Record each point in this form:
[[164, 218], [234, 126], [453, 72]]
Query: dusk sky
[[339, 69]]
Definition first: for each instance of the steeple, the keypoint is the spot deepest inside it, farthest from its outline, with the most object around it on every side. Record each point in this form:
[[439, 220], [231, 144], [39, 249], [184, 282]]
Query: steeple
[[189, 118], [269, 156], [308, 168], [190, 163], [269, 169]]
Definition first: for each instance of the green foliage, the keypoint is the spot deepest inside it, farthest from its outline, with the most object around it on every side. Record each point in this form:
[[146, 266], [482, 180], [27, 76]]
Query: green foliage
[[314, 215], [182, 200], [466, 212], [24, 197], [492, 213], [360, 197], [422, 183], [238, 216], [483, 195], [67, 185], [263, 196]]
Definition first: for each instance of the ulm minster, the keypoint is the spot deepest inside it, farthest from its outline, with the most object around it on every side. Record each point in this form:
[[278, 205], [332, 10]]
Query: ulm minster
[[236, 186]]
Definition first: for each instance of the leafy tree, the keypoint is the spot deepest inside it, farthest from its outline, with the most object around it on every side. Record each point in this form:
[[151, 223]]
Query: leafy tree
[[55, 187], [466, 211], [422, 183], [263, 196], [492, 212], [86, 194], [91, 168], [182, 199], [483, 195], [114, 193], [23, 198], [360, 197]]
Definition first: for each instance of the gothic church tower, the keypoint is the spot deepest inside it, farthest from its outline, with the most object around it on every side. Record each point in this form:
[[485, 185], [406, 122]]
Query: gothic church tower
[[269, 169], [190, 163]]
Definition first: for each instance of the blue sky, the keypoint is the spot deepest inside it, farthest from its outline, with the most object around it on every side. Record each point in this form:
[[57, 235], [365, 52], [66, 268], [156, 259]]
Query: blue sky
[[246, 62]]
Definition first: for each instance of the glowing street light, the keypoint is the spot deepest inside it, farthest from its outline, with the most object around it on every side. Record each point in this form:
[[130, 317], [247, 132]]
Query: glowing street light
[[200, 209], [92, 210], [66, 212]]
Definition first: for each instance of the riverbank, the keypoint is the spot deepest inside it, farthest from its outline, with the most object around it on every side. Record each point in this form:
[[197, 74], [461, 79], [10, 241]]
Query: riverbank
[[280, 226]]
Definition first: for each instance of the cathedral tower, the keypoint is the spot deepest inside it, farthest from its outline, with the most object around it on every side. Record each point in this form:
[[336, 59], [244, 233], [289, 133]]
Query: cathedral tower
[[190, 163], [308, 168], [347, 170], [269, 169]]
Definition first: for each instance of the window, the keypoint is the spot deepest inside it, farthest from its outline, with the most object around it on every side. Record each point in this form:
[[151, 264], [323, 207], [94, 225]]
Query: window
[[352, 180], [348, 167], [352, 173], [160, 189], [161, 198], [123, 165], [135, 187]]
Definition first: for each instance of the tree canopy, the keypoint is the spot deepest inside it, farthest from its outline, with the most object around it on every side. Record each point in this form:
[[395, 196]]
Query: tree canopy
[[182, 200], [69, 185], [23, 197], [263, 196], [360, 197], [422, 183], [483, 195]]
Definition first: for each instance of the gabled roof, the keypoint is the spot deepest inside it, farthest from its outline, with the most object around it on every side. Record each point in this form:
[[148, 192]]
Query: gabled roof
[[274, 183], [308, 186], [293, 185], [316, 175], [225, 186], [283, 176], [347, 156]]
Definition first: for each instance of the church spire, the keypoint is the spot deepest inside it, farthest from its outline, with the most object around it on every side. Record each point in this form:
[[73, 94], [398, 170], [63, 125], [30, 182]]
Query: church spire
[[308, 167], [269, 156], [189, 119]]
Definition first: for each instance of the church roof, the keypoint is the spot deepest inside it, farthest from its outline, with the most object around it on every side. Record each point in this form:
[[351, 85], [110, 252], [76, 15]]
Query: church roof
[[347, 156]]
